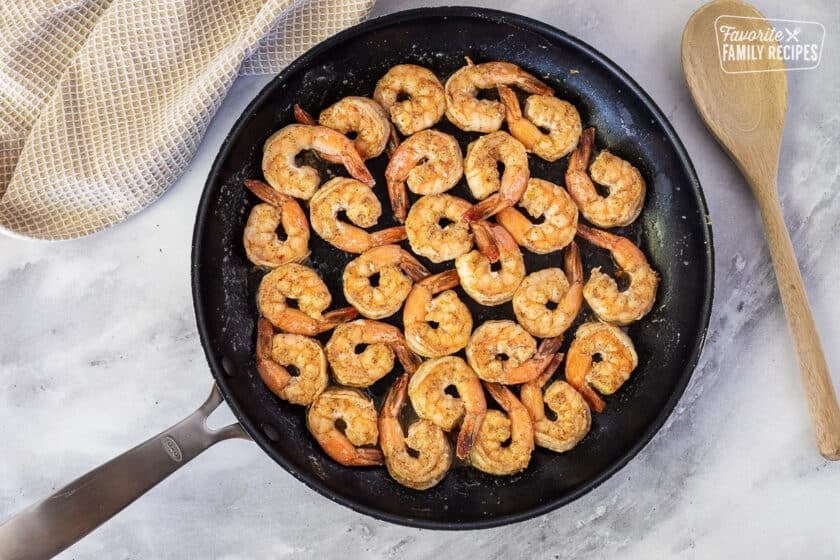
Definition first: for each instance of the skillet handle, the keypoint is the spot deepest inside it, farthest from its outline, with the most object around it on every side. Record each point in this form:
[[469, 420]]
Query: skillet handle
[[48, 527]]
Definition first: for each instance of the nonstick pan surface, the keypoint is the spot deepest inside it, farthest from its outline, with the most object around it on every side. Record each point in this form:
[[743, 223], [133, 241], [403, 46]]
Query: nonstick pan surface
[[673, 231]]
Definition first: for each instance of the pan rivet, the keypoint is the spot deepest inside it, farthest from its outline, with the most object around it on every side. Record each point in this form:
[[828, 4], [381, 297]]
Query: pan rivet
[[271, 432], [228, 367]]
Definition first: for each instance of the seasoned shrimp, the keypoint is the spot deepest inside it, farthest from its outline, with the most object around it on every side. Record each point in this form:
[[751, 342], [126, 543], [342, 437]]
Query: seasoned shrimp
[[358, 415], [617, 361], [361, 207], [356, 367], [301, 283], [360, 115], [610, 304], [504, 352], [429, 238], [422, 458], [572, 418], [278, 353], [479, 280], [481, 170], [426, 101], [436, 324], [624, 183], [427, 391], [467, 112], [542, 112], [490, 453], [262, 246], [283, 146], [551, 285], [392, 268], [559, 214], [429, 162]]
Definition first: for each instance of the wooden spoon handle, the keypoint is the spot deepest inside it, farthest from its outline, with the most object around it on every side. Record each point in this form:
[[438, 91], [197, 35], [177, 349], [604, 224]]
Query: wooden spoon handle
[[822, 402]]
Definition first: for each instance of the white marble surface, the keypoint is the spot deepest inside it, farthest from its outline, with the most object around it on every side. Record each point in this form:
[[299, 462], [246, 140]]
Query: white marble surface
[[98, 350]]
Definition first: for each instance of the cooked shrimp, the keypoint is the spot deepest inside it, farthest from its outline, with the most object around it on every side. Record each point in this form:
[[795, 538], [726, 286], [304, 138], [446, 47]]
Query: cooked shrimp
[[283, 146], [277, 353], [262, 246], [301, 283], [490, 453], [361, 207], [436, 324], [356, 367], [481, 170], [504, 352], [427, 391], [572, 418], [429, 162], [610, 304], [467, 112], [358, 415], [392, 268], [426, 101], [542, 112], [360, 115], [624, 183], [559, 214], [617, 361], [422, 458], [479, 280], [551, 285], [428, 237]]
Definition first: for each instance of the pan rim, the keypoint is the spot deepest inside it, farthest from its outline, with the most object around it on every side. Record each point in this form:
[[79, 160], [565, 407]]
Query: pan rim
[[538, 27]]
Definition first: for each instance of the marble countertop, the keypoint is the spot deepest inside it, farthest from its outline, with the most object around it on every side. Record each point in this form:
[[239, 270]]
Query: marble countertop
[[99, 350]]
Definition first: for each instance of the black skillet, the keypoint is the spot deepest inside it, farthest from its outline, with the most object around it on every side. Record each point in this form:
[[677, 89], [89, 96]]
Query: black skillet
[[673, 231]]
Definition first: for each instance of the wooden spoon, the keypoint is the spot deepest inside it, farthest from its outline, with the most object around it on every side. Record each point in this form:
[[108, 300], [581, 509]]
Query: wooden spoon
[[746, 113]]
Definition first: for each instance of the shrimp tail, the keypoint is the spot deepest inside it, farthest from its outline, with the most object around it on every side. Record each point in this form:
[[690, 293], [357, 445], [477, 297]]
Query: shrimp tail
[[356, 166], [533, 85], [512, 108], [275, 376], [396, 398], [387, 236], [338, 316], [572, 264], [441, 281], [513, 187], [265, 335], [485, 240], [468, 434], [368, 457], [595, 402], [413, 268], [549, 370], [399, 199], [303, 117], [583, 153], [409, 360], [532, 368], [344, 452], [393, 142], [624, 252], [500, 394], [595, 236], [550, 346], [266, 192], [488, 207]]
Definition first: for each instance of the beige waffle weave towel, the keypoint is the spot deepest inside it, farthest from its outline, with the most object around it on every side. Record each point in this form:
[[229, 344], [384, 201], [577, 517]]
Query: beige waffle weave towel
[[103, 103]]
